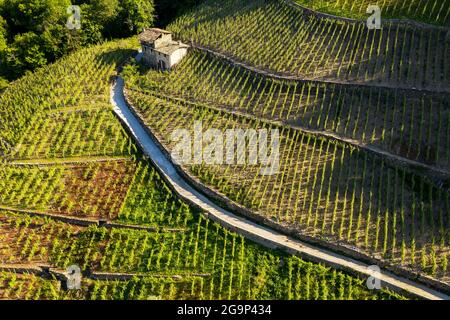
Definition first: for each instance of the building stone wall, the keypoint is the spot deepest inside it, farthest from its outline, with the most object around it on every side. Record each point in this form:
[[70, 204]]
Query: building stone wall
[[177, 56]]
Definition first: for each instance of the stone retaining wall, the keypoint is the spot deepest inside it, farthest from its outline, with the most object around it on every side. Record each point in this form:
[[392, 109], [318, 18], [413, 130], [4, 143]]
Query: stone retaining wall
[[86, 222], [48, 272]]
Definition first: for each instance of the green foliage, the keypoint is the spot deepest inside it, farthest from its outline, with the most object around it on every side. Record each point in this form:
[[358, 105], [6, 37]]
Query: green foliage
[[135, 15], [90, 132], [28, 53], [33, 15], [3, 84], [34, 33], [130, 71], [104, 10], [78, 80], [3, 34], [324, 188], [275, 37], [202, 261], [63, 113], [359, 117]]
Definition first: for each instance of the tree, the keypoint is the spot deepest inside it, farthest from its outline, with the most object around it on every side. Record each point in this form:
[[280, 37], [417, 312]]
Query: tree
[[33, 15], [98, 16], [3, 47], [34, 32], [3, 84], [57, 40], [134, 16], [26, 53], [91, 28], [105, 10]]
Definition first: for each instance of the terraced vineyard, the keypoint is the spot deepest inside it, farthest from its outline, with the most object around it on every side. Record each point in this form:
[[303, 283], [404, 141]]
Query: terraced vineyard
[[414, 125], [80, 80], [363, 118], [74, 133], [203, 261], [273, 36], [78, 190], [323, 188], [352, 106], [74, 189], [434, 11]]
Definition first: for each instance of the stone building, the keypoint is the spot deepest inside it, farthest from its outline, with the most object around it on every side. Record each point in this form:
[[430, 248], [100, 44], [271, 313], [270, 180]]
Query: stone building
[[160, 50]]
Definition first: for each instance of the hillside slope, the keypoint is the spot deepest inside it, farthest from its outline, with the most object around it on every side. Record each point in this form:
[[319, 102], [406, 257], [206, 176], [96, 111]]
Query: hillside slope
[[76, 190], [434, 12], [273, 36], [335, 91]]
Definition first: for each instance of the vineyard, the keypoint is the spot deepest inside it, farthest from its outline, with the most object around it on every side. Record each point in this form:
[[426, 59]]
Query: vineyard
[[364, 158], [205, 261], [76, 190], [74, 133], [412, 125], [78, 81], [273, 36], [324, 189], [200, 260], [66, 154], [352, 106], [434, 11]]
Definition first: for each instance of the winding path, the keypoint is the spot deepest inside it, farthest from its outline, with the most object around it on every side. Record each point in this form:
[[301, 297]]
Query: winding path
[[260, 234]]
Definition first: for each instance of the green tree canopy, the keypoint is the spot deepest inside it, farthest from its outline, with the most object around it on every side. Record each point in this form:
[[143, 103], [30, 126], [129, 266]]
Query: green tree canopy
[[33, 15], [34, 32], [27, 53], [170, 9], [135, 15]]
